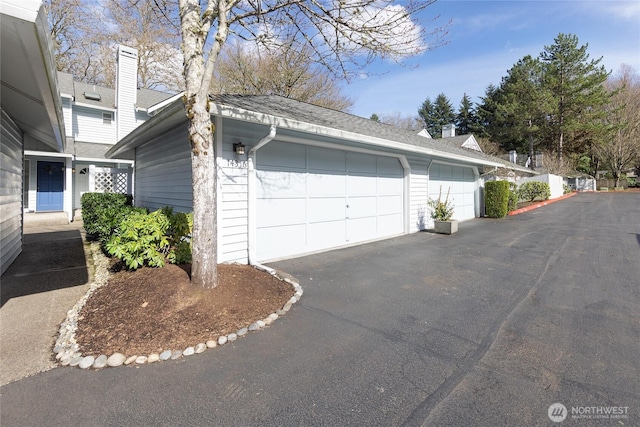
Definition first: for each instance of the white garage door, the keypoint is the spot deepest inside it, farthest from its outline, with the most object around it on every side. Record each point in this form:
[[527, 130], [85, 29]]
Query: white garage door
[[462, 185], [311, 199]]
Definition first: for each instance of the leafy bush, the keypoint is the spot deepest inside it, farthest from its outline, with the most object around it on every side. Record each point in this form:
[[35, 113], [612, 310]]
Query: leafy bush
[[102, 213], [441, 210], [149, 238], [179, 234], [496, 198], [512, 205], [532, 190], [566, 189], [140, 240]]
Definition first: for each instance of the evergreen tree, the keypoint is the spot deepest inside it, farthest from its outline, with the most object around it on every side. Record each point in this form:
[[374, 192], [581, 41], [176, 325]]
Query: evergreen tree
[[486, 124], [465, 118], [522, 106], [436, 114], [575, 116], [425, 113], [374, 117], [443, 114]]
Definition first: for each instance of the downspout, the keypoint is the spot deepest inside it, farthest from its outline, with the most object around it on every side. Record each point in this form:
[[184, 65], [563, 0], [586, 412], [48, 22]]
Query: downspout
[[251, 190]]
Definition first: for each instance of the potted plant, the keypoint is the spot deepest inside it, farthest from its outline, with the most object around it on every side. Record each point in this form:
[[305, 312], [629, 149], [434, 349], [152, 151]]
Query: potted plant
[[442, 213]]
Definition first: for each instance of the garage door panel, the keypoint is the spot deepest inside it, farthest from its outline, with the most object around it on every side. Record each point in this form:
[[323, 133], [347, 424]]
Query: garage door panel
[[359, 185], [283, 154], [361, 207], [389, 205], [325, 209], [388, 185], [390, 166], [280, 183], [279, 212], [323, 235], [282, 241], [324, 159], [359, 229], [389, 225], [326, 184], [361, 163]]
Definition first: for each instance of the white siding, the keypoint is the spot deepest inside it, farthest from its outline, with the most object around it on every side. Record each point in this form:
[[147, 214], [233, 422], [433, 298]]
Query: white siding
[[163, 172], [11, 161], [419, 196], [232, 174], [88, 126], [67, 112], [126, 90]]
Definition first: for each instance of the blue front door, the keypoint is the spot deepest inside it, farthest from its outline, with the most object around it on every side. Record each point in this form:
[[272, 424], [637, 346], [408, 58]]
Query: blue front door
[[50, 186]]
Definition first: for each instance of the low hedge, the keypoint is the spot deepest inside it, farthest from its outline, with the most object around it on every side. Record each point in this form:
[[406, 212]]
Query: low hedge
[[496, 198], [102, 213], [532, 190], [513, 197]]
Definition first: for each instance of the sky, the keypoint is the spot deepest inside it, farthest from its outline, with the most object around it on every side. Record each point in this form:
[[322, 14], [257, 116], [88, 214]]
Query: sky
[[485, 39]]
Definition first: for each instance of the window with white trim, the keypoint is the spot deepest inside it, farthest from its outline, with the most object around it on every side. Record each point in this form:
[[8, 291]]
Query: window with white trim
[[106, 118]]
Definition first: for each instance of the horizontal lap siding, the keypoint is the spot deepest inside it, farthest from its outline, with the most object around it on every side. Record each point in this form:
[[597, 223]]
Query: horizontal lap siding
[[163, 172], [11, 164], [233, 178], [88, 126], [418, 196]]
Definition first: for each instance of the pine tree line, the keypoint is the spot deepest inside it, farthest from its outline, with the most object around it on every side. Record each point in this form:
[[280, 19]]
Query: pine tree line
[[557, 103]]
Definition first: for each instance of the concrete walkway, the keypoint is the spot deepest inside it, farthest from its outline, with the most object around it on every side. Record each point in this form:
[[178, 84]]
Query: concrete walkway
[[50, 275]]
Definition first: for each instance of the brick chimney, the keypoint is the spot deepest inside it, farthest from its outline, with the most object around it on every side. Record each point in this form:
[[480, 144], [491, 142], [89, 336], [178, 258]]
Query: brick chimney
[[448, 131], [126, 90]]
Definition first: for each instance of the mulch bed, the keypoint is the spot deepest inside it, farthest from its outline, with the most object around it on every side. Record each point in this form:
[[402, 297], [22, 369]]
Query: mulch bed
[[155, 309]]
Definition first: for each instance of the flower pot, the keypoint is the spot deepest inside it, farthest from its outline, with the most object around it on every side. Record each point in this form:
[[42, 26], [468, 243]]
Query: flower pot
[[446, 227]]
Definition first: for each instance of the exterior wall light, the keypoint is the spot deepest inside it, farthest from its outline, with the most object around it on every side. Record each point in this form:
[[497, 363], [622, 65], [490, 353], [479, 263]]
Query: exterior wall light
[[238, 148]]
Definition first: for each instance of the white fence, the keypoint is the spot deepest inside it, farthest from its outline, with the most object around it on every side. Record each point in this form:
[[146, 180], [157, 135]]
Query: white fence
[[555, 183]]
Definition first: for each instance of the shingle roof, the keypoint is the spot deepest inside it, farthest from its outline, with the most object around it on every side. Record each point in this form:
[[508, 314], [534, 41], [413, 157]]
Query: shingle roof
[[280, 106], [146, 98], [65, 83]]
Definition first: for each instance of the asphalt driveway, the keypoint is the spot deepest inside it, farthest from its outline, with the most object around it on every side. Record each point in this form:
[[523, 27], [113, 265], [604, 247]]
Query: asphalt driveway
[[486, 327]]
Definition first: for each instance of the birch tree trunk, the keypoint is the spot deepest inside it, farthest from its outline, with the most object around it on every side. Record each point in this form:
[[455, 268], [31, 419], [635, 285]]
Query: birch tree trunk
[[198, 71]]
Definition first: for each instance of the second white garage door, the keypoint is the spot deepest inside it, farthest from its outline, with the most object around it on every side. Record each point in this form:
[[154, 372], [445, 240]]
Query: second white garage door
[[311, 199], [461, 183]]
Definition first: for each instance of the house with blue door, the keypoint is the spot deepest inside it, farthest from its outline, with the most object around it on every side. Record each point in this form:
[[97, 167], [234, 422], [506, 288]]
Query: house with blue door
[[295, 178], [95, 118]]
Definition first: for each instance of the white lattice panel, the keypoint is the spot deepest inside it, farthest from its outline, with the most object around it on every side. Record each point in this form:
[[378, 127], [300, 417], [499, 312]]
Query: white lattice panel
[[111, 182]]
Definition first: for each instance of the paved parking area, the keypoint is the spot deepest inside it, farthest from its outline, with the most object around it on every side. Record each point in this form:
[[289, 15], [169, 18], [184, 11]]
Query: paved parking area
[[486, 327]]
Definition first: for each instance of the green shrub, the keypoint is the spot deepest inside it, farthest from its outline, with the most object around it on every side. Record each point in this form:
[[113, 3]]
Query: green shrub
[[512, 205], [103, 212], [141, 239], [532, 190], [179, 234], [566, 189], [149, 238], [496, 198]]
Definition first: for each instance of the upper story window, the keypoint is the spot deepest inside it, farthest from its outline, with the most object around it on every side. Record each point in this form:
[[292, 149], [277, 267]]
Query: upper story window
[[106, 118]]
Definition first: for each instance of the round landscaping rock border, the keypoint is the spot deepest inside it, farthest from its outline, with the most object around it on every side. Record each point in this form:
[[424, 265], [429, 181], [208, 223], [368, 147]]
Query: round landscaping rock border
[[67, 350]]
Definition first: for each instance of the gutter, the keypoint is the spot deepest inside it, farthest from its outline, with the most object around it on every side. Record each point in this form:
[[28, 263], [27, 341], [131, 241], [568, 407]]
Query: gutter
[[251, 190]]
